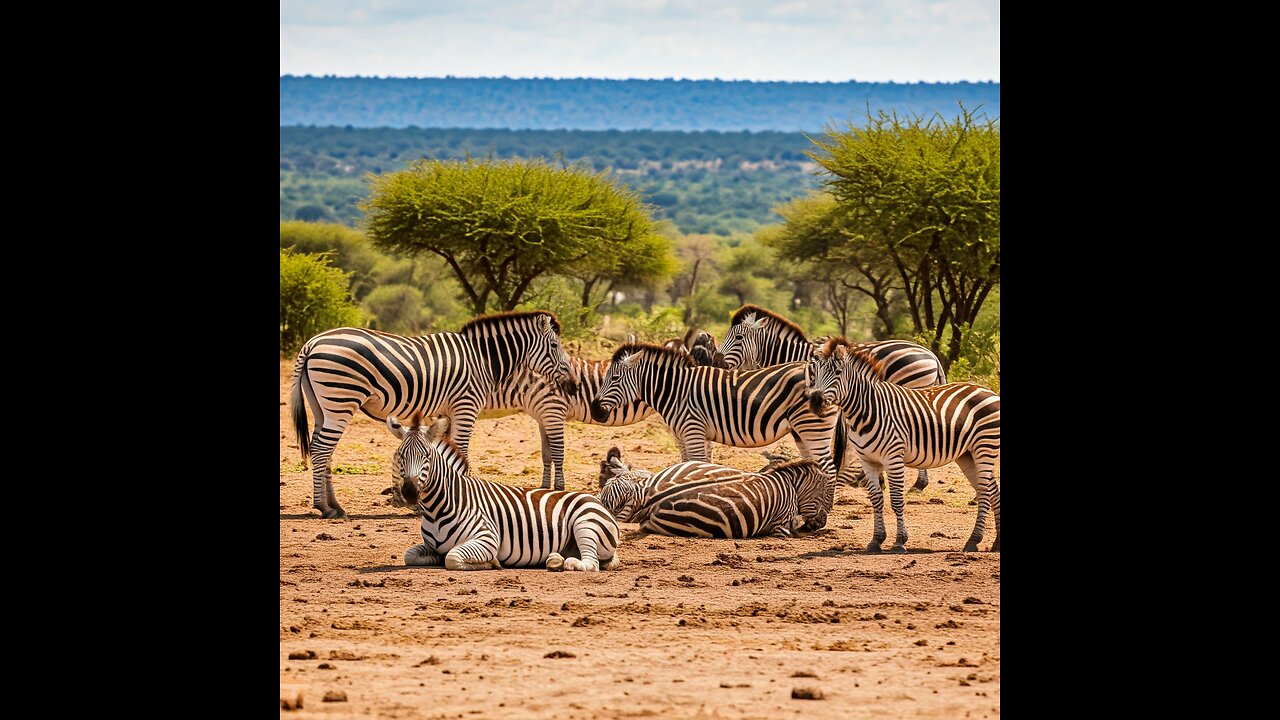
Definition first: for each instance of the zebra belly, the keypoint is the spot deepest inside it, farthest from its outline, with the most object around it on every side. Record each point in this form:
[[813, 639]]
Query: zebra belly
[[745, 439]]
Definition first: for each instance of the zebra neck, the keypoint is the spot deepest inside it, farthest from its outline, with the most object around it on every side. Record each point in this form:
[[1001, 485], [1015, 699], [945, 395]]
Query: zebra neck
[[504, 354], [788, 348], [662, 385]]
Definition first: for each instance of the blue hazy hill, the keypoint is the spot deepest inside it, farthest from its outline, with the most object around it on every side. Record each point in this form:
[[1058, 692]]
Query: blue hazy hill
[[591, 104]]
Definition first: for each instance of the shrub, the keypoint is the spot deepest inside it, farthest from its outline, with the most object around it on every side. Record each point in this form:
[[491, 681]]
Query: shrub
[[313, 298]]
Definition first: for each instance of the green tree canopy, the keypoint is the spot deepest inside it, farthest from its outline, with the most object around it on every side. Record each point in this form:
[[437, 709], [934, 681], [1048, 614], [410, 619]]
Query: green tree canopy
[[924, 193], [313, 298], [501, 225]]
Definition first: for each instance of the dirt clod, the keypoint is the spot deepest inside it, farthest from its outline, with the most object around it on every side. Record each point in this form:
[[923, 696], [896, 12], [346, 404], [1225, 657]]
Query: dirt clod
[[559, 654], [304, 655], [806, 693], [335, 696]]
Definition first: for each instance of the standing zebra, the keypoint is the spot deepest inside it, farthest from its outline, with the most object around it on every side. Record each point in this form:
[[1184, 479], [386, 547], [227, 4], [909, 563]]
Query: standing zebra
[[759, 338], [475, 524], [748, 408], [892, 426], [381, 374], [697, 499]]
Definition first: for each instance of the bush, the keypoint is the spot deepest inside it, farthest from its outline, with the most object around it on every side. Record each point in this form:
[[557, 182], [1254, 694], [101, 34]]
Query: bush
[[659, 326], [313, 298], [399, 309]]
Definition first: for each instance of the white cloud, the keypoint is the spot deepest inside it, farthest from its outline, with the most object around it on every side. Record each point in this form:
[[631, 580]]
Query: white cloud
[[832, 40]]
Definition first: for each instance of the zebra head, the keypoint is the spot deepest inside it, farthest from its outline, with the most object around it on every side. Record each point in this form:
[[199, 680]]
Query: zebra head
[[825, 378], [812, 502], [619, 386], [548, 358], [741, 346], [411, 462], [620, 497]]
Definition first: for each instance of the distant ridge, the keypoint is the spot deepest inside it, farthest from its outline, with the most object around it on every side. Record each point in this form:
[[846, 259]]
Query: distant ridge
[[596, 104]]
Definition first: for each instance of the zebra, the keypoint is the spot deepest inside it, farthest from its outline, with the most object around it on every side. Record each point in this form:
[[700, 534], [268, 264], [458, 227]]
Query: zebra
[[698, 499], [891, 426], [623, 488], [758, 337], [750, 408], [473, 524], [347, 369]]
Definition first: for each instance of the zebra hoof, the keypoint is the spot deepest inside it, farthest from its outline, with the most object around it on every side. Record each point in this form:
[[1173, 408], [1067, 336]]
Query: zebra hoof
[[334, 513], [898, 549], [873, 548], [921, 484], [995, 546], [555, 562], [560, 486], [971, 546]]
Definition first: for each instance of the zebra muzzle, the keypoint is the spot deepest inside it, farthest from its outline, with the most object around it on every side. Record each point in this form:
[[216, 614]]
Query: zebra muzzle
[[600, 412], [409, 492], [817, 402]]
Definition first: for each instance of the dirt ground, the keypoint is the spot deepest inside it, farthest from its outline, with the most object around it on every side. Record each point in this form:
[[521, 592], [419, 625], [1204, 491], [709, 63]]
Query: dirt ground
[[683, 629]]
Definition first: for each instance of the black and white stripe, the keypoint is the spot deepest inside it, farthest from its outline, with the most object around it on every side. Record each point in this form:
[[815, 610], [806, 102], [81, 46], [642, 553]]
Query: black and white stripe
[[893, 427], [380, 374], [473, 524], [750, 408], [697, 499], [758, 337]]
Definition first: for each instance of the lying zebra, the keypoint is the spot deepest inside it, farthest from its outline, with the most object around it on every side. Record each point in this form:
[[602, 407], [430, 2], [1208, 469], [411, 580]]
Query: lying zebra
[[893, 427], [698, 499], [475, 524], [623, 488]]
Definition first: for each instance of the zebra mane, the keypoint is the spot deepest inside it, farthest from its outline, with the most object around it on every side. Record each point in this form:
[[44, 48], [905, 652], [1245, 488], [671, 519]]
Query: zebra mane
[[746, 310], [446, 442], [630, 348], [495, 318], [858, 352]]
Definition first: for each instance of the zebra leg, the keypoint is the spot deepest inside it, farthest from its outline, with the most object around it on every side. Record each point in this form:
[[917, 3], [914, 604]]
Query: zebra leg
[[421, 554], [588, 543], [475, 554], [922, 480], [695, 447], [546, 460], [894, 471], [323, 441], [877, 505], [555, 437], [983, 481]]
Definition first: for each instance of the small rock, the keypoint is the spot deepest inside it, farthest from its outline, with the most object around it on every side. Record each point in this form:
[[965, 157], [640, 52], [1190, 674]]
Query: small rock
[[325, 536], [294, 702], [433, 660], [879, 616], [564, 606], [326, 666], [806, 693], [922, 642], [584, 621], [973, 601], [685, 578], [304, 655], [682, 622], [559, 654], [335, 696], [343, 655], [935, 501], [804, 673]]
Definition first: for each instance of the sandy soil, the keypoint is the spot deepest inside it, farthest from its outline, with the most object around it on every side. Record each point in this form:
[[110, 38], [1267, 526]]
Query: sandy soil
[[685, 628]]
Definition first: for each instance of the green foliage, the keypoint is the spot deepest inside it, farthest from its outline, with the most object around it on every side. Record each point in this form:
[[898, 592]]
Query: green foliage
[[349, 250], [558, 295], [501, 225], [399, 309], [658, 326], [917, 207], [313, 298], [706, 182]]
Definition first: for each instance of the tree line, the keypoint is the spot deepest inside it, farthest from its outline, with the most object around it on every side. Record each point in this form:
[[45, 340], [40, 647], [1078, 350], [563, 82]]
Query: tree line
[[902, 240]]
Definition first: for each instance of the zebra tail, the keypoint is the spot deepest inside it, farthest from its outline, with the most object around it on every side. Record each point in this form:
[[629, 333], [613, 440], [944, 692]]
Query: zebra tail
[[299, 407]]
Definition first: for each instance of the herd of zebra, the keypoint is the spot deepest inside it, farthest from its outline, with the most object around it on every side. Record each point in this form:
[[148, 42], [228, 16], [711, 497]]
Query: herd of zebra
[[881, 406]]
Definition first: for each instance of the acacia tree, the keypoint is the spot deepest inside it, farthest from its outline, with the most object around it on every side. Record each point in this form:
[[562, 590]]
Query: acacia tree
[[501, 224], [817, 234], [647, 260], [925, 194]]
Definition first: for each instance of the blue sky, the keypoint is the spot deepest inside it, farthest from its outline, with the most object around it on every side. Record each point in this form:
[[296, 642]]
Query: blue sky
[[816, 40]]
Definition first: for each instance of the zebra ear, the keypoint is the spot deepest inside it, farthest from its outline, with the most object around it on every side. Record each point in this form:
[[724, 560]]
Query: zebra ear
[[631, 338], [395, 427], [629, 361], [438, 429]]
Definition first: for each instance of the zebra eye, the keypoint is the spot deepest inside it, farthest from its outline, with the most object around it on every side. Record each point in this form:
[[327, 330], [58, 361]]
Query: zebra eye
[[737, 336]]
